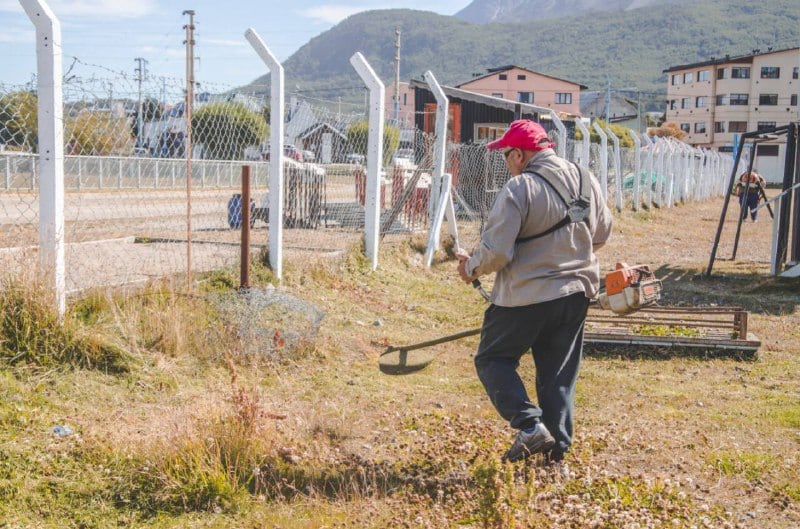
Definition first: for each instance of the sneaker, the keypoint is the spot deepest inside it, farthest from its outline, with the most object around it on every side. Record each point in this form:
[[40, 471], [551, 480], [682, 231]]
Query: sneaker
[[531, 441]]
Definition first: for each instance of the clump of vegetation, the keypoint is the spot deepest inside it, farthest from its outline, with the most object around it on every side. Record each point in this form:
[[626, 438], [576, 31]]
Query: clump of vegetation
[[667, 330], [32, 333]]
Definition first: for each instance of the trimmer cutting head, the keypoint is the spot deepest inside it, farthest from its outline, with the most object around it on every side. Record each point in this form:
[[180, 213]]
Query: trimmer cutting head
[[398, 361]]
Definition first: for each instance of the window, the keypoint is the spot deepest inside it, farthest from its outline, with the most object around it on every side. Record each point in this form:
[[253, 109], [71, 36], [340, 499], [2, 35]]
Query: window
[[700, 128], [405, 99], [740, 72], [676, 79], [685, 127], [721, 73], [703, 75], [793, 100], [767, 150], [673, 104], [521, 77], [770, 72], [685, 102], [795, 72], [768, 99], [737, 126], [722, 100], [701, 101], [498, 94], [726, 148], [719, 126], [765, 125], [525, 97], [688, 77], [563, 98], [739, 99], [503, 77]]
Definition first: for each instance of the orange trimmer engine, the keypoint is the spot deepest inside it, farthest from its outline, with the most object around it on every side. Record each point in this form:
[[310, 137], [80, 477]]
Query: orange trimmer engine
[[629, 288]]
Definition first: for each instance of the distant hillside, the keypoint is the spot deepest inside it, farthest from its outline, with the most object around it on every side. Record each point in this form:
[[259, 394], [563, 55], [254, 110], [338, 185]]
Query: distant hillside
[[510, 11], [630, 48]]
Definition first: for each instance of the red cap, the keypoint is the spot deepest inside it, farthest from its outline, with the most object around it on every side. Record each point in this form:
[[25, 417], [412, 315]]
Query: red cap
[[523, 134]]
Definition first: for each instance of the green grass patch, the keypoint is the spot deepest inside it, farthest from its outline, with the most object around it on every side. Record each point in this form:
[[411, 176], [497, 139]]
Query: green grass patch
[[32, 333], [753, 466]]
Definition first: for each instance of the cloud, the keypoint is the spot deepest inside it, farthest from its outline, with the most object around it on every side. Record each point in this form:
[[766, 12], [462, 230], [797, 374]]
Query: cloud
[[12, 6], [163, 53], [229, 43], [330, 14], [103, 8], [15, 35]]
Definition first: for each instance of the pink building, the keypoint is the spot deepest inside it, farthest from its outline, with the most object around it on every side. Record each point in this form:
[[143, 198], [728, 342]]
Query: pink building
[[405, 117], [526, 86]]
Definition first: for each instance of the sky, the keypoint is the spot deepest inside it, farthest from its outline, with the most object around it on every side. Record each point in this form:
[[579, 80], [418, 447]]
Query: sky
[[102, 35]]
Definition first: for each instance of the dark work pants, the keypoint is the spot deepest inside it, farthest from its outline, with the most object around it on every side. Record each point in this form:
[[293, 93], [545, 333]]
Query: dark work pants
[[553, 331], [751, 199]]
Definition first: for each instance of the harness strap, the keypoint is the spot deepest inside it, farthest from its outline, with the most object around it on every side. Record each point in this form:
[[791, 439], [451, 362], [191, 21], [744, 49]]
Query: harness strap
[[583, 200]]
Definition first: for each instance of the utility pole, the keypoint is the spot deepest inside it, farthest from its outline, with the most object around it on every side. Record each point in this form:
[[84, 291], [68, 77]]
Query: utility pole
[[608, 101], [638, 110], [141, 75], [397, 77], [187, 114]]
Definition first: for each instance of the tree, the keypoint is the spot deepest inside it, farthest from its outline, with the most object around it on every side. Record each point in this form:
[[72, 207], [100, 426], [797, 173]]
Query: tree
[[619, 131], [669, 129], [19, 120], [152, 110], [98, 133], [226, 128], [358, 135]]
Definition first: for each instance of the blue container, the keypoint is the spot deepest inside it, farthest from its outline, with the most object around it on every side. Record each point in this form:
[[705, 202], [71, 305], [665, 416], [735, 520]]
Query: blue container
[[235, 211]]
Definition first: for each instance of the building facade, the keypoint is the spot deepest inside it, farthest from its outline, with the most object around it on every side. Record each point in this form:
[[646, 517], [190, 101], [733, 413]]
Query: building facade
[[405, 105], [714, 100], [526, 86]]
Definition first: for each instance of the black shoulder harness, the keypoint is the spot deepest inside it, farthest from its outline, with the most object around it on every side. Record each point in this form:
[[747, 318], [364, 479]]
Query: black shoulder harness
[[578, 208]]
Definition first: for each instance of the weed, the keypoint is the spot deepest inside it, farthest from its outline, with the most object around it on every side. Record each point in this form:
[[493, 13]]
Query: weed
[[752, 465], [32, 333]]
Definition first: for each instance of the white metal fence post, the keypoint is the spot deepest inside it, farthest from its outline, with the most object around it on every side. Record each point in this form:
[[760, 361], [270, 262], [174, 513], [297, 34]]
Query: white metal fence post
[[603, 160], [637, 168], [51, 146], [439, 156], [585, 142], [440, 145], [374, 154], [438, 217], [618, 183], [276, 149], [561, 144]]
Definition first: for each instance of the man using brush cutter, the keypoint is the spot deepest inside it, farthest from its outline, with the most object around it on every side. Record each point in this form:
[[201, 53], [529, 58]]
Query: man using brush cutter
[[540, 238]]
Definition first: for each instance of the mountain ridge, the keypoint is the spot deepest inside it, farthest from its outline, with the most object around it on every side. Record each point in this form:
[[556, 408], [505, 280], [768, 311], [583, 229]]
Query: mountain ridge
[[630, 48]]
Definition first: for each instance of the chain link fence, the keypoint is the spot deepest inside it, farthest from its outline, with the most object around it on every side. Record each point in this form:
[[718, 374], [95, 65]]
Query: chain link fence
[[126, 161]]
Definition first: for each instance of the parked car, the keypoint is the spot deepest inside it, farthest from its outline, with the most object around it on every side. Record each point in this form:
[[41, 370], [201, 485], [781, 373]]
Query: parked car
[[403, 157], [355, 158], [290, 151], [309, 156]]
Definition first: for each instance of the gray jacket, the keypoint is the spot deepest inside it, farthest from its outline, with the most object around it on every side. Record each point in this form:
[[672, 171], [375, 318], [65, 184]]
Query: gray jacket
[[554, 266]]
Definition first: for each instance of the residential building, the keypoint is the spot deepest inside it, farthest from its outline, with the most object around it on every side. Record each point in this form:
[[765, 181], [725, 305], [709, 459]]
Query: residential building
[[526, 86], [475, 117], [714, 100], [405, 106], [621, 110]]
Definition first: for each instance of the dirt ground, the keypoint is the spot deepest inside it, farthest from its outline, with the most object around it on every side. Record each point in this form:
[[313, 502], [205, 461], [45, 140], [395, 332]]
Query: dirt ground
[[660, 442]]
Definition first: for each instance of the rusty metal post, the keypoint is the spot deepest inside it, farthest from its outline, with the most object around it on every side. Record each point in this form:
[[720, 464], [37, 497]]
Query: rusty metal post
[[244, 278]]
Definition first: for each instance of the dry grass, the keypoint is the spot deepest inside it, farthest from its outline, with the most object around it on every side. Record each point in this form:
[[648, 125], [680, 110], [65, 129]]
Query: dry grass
[[198, 434]]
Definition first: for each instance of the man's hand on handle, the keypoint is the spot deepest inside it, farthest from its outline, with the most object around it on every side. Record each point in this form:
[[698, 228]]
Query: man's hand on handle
[[462, 266]]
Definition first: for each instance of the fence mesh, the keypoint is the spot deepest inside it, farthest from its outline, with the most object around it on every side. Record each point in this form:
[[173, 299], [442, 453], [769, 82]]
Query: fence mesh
[[125, 176]]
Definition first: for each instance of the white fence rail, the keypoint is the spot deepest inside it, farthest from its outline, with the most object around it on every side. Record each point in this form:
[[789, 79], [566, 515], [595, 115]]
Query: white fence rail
[[21, 172]]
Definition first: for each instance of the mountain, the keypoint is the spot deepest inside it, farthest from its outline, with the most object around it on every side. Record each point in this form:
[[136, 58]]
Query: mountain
[[511, 11], [630, 48]]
